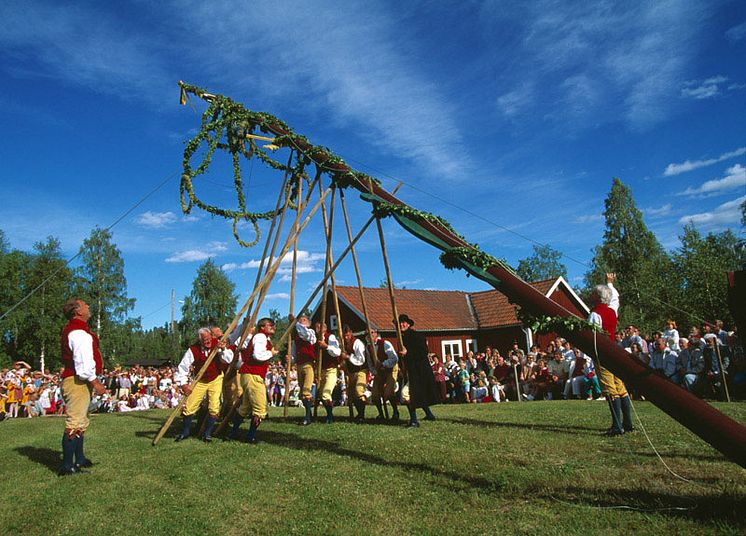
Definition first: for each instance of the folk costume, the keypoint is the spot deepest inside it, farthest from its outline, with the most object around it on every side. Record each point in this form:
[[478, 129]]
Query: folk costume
[[613, 388], [210, 385], [253, 365], [304, 343], [81, 358], [420, 379], [384, 383], [329, 370], [357, 372]]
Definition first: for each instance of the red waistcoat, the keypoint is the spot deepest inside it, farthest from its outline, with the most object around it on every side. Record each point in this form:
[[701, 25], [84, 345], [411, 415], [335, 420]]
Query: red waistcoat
[[214, 370], [608, 320], [327, 360], [304, 351], [251, 365], [67, 354]]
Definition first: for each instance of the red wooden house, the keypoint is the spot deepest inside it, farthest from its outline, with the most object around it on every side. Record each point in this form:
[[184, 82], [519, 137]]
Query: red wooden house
[[453, 321]]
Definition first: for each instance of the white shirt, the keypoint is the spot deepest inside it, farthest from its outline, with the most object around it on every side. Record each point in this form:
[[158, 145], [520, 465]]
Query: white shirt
[[333, 348], [181, 375], [391, 355], [305, 333], [357, 357], [258, 350], [81, 344]]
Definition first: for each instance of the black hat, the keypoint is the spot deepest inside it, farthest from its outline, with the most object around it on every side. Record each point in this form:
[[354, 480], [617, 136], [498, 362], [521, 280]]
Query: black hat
[[405, 318]]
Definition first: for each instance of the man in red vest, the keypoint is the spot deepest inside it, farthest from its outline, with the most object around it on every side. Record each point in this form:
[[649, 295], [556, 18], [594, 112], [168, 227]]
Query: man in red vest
[[329, 347], [82, 362], [605, 302], [304, 350], [210, 384], [253, 363]]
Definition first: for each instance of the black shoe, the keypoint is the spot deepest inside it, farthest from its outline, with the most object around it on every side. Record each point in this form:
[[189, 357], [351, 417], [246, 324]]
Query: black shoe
[[253, 441], [380, 417], [305, 422], [395, 417], [430, 418], [71, 471], [87, 464], [612, 432], [207, 439], [411, 424], [180, 437]]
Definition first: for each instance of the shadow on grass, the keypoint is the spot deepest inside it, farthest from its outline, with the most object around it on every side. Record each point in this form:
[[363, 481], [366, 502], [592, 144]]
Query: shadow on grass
[[304, 443], [720, 508], [564, 429], [693, 456], [43, 456]]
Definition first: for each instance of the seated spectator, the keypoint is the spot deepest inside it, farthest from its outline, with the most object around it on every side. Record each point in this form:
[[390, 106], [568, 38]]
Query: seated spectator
[[671, 335], [540, 382], [579, 368], [637, 352], [663, 359], [480, 392], [693, 367], [559, 370]]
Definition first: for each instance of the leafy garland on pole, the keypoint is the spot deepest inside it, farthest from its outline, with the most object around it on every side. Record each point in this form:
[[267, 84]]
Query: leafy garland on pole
[[555, 324]]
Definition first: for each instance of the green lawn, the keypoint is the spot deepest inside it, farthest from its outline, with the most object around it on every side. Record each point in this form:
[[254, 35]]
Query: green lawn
[[533, 468]]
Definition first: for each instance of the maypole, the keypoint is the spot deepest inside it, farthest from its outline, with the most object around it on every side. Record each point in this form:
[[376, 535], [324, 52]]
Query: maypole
[[224, 116]]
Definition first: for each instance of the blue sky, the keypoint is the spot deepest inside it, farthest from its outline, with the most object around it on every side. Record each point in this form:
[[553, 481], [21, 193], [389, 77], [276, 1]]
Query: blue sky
[[519, 112]]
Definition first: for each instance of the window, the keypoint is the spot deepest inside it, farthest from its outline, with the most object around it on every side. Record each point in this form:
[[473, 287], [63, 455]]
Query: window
[[452, 348], [471, 345], [333, 323]]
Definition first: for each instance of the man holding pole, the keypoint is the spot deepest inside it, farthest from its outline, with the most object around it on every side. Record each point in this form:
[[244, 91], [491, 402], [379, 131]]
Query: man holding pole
[[253, 363], [357, 370], [384, 383], [304, 343], [421, 382], [82, 362], [210, 384], [331, 352]]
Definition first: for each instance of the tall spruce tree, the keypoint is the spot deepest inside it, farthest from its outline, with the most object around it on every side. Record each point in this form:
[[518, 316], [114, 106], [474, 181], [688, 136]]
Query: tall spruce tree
[[544, 263], [44, 320], [703, 263], [646, 280], [14, 266], [211, 302], [101, 282]]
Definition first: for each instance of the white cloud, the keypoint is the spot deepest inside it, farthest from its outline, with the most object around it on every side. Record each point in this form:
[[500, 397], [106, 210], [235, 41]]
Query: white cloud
[[736, 33], [589, 218], [725, 214], [654, 212], [601, 60], [735, 177], [217, 246], [515, 102], [689, 165], [704, 89], [190, 255], [354, 66], [84, 46], [155, 220], [278, 296], [307, 262]]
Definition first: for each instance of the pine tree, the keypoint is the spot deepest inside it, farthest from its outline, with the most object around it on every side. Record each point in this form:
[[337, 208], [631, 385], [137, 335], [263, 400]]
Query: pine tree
[[545, 263], [100, 281], [14, 266], [211, 302], [704, 263], [646, 279]]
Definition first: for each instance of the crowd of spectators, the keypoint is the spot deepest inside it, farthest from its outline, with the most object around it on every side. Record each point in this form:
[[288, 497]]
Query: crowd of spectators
[[700, 363]]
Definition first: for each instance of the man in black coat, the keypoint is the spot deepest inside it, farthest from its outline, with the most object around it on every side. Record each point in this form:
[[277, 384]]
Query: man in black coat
[[421, 382]]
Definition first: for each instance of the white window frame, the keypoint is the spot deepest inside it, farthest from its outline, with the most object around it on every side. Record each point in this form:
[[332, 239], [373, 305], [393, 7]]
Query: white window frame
[[333, 323], [471, 345], [453, 343]]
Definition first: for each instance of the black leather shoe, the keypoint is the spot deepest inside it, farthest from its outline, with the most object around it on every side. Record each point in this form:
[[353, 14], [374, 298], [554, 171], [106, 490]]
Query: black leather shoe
[[207, 439], [180, 438], [253, 441], [87, 464], [410, 424], [71, 471], [430, 418], [613, 432]]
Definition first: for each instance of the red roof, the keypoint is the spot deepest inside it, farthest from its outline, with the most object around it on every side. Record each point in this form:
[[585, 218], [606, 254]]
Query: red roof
[[430, 309], [439, 310]]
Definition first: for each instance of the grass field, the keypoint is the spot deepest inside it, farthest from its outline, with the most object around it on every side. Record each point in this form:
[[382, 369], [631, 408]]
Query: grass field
[[533, 468]]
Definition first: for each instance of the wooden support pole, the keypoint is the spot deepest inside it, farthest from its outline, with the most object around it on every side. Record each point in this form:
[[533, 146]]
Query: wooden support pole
[[240, 313], [320, 336], [722, 369], [289, 357], [390, 283]]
